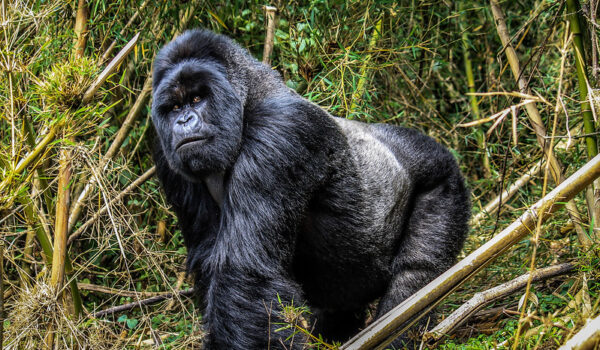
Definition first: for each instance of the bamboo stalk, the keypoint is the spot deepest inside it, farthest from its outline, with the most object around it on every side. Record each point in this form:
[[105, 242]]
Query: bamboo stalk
[[61, 223], [60, 232], [385, 329], [536, 119], [587, 338], [270, 37], [495, 203], [41, 183], [81, 25], [112, 46], [30, 158], [593, 197], [360, 86]]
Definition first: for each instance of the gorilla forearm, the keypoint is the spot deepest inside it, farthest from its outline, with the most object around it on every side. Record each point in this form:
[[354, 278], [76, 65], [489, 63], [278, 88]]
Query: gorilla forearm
[[281, 203]]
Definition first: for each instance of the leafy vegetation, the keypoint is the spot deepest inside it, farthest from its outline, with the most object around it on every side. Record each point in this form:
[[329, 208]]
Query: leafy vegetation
[[404, 62]]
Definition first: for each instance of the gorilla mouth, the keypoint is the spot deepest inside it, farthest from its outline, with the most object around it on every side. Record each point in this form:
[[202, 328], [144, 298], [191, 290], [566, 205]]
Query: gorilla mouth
[[194, 139]]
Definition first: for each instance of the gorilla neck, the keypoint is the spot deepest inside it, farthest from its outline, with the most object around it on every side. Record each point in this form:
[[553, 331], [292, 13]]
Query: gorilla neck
[[214, 184]]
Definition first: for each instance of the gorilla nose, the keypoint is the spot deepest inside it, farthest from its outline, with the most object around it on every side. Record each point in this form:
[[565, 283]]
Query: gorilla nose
[[186, 123], [185, 118]]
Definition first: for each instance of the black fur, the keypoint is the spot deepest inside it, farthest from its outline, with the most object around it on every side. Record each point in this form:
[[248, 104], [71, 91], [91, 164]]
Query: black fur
[[281, 203]]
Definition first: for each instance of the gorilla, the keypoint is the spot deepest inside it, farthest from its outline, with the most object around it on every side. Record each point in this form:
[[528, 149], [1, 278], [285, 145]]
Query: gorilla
[[282, 204]]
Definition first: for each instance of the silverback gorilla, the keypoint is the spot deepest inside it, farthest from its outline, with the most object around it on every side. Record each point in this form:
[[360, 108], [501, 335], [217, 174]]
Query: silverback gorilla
[[281, 203]]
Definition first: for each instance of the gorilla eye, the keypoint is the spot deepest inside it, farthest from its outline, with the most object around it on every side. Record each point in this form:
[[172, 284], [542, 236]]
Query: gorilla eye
[[176, 107], [197, 99]]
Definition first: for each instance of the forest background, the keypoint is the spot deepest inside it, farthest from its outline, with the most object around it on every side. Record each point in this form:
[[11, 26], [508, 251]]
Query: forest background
[[92, 256]]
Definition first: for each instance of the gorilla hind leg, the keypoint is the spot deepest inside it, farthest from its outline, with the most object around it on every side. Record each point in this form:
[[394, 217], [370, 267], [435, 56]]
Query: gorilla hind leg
[[434, 235], [338, 325]]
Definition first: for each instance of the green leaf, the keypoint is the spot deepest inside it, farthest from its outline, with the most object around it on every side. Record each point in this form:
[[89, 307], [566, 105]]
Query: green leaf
[[131, 323]]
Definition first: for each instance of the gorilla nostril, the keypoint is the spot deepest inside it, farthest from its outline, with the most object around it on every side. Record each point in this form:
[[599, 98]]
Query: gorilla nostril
[[184, 119]]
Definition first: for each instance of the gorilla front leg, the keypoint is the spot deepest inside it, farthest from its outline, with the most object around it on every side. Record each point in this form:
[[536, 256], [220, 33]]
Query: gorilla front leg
[[244, 310]]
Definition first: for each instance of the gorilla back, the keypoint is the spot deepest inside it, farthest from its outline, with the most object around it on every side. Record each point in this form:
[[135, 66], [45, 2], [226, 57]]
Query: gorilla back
[[281, 203]]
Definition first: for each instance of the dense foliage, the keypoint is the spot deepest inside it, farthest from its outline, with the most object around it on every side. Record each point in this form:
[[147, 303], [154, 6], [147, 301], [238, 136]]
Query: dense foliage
[[406, 62]]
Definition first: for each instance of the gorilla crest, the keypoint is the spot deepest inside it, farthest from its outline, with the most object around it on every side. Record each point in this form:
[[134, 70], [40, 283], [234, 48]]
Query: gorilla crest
[[281, 203]]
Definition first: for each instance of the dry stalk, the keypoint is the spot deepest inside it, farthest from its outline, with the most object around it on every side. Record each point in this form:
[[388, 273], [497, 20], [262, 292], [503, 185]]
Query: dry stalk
[[112, 46], [132, 116], [385, 329], [140, 180], [140, 303], [270, 37], [499, 200], [81, 24], [110, 69], [535, 117], [588, 338], [482, 299]]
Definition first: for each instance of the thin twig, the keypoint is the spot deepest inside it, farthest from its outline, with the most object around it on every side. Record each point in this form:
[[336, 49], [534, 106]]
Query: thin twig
[[110, 48], [140, 303], [482, 299], [495, 203], [140, 180]]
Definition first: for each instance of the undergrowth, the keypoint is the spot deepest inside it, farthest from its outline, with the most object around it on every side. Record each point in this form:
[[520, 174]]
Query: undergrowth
[[127, 245]]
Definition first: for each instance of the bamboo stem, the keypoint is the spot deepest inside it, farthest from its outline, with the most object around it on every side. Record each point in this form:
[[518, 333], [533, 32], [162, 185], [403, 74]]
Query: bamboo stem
[[385, 329], [495, 203], [60, 232], [110, 68], [61, 223], [535, 118], [270, 37], [30, 158], [587, 338], [592, 196], [81, 25], [360, 86]]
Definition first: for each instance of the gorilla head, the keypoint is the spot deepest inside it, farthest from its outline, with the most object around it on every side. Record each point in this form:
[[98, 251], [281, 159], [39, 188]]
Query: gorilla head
[[197, 112]]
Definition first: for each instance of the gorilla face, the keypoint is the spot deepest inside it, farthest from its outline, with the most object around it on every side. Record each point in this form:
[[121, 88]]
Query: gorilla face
[[198, 118]]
